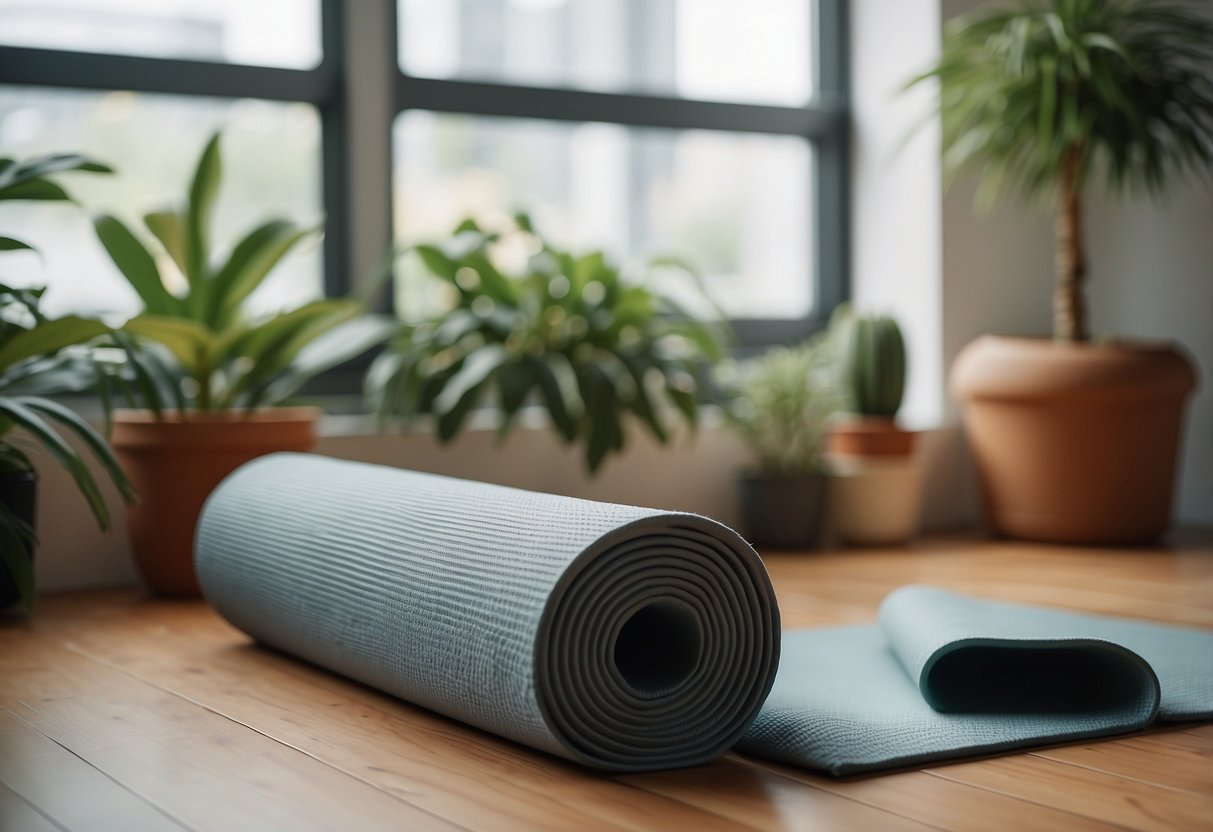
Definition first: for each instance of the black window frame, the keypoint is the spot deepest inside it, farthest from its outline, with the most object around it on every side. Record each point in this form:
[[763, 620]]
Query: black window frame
[[823, 122], [320, 86]]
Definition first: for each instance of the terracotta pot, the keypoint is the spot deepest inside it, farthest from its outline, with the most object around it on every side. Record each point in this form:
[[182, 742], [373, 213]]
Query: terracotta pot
[[783, 512], [1074, 443], [175, 464], [869, 436]]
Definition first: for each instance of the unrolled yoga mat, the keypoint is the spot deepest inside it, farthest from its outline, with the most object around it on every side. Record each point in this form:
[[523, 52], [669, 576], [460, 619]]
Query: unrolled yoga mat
[[631, 639]]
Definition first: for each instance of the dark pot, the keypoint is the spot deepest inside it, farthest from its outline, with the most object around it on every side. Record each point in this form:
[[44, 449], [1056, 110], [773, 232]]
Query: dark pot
[[18, 492], [784, 512]]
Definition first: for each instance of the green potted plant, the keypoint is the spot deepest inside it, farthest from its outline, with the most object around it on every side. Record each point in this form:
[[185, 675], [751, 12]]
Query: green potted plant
[[1075, 441], [877, 476], [781, 405], [566, 333], [212, 375], [36, 361]]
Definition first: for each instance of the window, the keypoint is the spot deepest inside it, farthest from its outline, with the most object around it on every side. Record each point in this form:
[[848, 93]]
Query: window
[[707, 129], [161, 76]]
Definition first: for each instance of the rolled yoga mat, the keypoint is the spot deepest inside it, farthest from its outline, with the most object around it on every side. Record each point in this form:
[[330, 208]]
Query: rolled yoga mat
[[624, 638], [630, 639]]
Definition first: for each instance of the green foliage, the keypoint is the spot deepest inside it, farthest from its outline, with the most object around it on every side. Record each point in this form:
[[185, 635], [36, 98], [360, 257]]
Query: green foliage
[[31, 180], [36, 360], [1125, 84], [199, 349], [871, 362], [782, 403], [567, 332]]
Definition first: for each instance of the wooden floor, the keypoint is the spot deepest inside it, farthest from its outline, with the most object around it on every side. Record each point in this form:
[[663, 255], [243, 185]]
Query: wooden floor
[[118, 712]]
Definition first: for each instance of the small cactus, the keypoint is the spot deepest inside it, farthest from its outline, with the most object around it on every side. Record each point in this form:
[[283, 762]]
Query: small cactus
[[872, 363]]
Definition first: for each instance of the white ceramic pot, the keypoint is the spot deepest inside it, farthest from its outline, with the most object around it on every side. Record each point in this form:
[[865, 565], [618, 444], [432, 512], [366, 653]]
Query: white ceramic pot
[[875, 500]]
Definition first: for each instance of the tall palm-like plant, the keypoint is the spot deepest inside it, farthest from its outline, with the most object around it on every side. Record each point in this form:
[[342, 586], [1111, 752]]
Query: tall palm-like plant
[[1046, 93]]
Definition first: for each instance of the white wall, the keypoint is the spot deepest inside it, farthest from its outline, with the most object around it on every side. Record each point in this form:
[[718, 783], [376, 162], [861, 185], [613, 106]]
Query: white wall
[[896, 188]]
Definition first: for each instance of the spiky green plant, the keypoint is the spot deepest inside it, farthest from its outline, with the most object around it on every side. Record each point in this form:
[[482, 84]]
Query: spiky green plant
[[871, 361], [780, 404], [1041, 95], [206, 352], [565, 332]]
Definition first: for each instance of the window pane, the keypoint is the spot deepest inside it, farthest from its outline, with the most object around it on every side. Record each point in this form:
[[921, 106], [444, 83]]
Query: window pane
[[271, 169], [281, 33], [736, 205], [719, 50]]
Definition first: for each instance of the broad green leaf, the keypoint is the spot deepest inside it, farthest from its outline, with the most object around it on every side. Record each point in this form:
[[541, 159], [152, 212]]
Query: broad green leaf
[[274, 345], [251, 260], [43, 166], [515, 380], [330, 349], [169, 229], [91, 439], [437, 262], [189, 342], [9, 244], [203, 190], [448, 424], [35, 189], [475, 371], [48, 337], [685, 401], [258, 341], [558, 385], [61, 452], [136, 265]]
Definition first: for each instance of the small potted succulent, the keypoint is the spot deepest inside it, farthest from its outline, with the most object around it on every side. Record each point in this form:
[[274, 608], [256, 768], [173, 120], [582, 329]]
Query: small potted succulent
[[212, 376], [781, 406], [563, 332], [877, 474], [1076, 441], [39, 357]]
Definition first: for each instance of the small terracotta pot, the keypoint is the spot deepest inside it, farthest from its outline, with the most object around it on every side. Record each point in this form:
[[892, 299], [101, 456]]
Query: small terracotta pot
[[869, 436], [1074, 443], [174, 464]]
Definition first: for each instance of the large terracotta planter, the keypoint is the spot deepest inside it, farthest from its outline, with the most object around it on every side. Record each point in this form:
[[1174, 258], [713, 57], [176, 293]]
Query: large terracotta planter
[[1074, 443], [175, 464]]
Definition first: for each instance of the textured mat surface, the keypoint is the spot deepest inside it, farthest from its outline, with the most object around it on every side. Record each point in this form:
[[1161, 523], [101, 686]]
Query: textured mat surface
[[630, 639], [943, 676]]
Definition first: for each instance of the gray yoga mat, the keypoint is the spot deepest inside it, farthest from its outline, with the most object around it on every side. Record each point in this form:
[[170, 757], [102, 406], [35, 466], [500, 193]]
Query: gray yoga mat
[[630, 639]]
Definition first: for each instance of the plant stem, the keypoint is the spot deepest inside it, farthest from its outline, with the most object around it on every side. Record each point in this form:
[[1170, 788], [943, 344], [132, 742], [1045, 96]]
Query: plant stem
[[1069, 304], [204, 388]]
